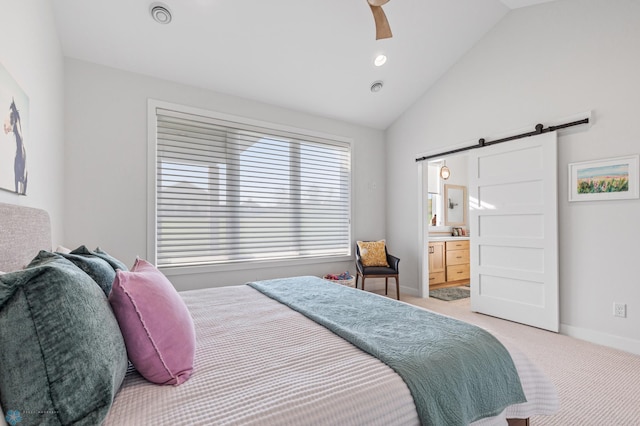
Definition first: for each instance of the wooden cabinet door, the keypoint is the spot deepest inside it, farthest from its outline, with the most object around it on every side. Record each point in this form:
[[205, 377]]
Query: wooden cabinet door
[[436, 257], [437, 274]]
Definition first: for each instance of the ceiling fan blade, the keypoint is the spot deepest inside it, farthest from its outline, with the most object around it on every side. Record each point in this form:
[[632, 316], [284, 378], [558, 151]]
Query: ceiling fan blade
[[377, 2], [382, 25]]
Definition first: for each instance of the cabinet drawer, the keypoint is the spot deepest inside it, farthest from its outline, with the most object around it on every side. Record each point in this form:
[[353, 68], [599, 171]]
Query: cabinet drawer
[[458, 245], [457, 257], [458, 272], [436, 277]]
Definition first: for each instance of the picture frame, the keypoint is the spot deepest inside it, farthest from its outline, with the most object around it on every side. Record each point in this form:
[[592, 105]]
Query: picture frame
[[14, 139], [605, 179], [455, 208]]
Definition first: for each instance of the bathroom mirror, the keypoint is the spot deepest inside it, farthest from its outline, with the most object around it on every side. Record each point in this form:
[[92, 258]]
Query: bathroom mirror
[[455, 205]]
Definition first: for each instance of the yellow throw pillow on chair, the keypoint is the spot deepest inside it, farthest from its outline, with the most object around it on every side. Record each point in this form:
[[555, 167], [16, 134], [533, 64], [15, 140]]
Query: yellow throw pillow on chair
[[373, 253]]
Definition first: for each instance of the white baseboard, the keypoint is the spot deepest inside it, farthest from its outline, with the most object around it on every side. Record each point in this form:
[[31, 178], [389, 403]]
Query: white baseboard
[[605, 339], [410, 291]]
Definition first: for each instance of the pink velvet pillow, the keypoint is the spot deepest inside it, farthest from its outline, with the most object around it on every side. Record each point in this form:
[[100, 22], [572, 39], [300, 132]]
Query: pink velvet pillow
[[157, 327]]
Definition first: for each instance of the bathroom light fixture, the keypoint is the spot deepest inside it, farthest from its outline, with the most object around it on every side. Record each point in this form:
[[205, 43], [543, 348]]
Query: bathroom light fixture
[[445, 172], [160, 13], [380, 60], [376, 86]]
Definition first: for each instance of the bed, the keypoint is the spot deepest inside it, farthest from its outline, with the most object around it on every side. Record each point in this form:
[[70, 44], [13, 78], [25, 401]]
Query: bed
[[264, 360]]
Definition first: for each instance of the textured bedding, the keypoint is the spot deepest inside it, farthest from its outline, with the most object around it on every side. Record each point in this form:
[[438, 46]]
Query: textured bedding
[[456, 372], [260, 362]]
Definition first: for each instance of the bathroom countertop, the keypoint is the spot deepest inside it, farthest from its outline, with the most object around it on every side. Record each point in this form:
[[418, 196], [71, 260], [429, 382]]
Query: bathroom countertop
[[447, 238]]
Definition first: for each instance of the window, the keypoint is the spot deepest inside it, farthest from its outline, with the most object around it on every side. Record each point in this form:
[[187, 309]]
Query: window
[[231, 191], [434, 201]]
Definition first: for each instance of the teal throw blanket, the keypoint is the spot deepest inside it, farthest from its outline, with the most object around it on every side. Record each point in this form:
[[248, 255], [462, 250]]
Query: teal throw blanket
[[457, 373]]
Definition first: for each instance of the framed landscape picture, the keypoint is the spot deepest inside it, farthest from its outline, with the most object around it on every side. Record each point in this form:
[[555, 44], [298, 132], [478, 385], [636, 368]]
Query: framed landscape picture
[[608, 179]]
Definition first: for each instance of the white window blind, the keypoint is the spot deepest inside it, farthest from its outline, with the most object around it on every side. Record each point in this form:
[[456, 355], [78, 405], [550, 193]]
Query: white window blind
[[233, 191]]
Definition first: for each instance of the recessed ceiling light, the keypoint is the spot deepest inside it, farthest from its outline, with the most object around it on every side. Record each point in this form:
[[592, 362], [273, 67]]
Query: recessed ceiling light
[[160, 13], [380, 60], [376, 86]]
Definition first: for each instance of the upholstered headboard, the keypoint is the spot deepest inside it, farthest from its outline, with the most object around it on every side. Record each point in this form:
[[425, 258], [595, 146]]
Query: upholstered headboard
[[23, 232]]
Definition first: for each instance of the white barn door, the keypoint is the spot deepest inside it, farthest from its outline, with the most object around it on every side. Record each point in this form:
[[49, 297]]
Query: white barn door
[[513, 195]]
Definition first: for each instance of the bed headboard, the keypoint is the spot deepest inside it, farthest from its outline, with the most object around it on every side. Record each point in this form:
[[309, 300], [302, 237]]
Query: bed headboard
[[24, 231]]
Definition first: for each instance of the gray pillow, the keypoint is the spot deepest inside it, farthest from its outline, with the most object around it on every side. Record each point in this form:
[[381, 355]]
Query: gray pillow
[[98, 269], [62, 356]]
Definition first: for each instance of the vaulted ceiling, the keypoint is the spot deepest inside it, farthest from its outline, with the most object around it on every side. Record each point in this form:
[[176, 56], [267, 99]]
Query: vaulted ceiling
[[312, 56]]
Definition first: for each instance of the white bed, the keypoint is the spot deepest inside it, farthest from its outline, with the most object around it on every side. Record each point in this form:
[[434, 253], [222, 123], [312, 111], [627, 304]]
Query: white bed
[[260, 362]]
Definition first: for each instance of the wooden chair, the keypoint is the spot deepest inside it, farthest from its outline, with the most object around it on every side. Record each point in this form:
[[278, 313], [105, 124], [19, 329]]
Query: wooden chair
[[379, 271]]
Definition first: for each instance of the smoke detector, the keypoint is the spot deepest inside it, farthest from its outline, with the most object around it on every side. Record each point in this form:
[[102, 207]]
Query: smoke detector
[[376, 86], [160, 13]]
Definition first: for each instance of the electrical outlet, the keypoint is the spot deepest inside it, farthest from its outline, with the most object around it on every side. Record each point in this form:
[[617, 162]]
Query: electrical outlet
[[620, 310]]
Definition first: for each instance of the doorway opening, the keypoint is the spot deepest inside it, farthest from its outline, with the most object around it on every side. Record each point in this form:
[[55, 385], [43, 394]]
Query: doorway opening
[[507, 204], [444, 213]]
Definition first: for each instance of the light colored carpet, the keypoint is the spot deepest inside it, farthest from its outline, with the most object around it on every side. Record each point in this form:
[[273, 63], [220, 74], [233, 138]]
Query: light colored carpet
[[597, 385]]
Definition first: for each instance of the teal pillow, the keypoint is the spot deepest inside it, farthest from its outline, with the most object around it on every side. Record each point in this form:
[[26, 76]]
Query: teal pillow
[[98, 269], [62, 356], [115, 263]]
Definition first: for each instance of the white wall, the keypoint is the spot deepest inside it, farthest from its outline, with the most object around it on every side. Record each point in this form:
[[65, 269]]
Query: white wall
[[30, 52], [106, 165], [540, 64]]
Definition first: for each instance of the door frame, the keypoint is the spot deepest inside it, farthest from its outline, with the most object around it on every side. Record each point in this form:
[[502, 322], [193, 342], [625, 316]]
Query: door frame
[[423, 228]]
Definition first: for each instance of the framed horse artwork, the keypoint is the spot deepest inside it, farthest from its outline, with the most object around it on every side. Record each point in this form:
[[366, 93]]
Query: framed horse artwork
[[14, 107]]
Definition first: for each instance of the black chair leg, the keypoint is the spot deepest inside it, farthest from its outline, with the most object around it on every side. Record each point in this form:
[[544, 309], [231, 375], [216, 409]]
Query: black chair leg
[[386, 285], [397, 288]]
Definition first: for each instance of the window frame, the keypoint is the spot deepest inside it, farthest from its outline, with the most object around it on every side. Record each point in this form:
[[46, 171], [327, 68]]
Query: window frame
[[152, 106]]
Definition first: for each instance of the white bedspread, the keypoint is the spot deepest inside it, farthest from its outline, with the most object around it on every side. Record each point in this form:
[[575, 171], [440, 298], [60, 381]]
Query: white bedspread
[[259, 362]]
